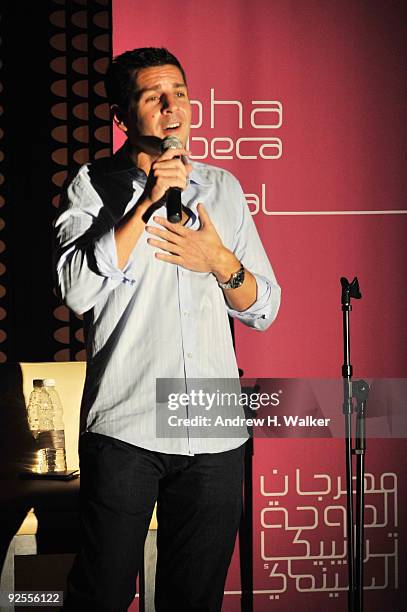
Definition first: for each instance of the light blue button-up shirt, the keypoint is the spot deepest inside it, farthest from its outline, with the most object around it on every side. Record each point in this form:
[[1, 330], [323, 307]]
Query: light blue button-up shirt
[[152, 319]]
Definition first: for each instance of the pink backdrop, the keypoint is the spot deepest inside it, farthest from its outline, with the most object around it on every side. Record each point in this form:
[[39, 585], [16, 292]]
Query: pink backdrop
[[312, 124]]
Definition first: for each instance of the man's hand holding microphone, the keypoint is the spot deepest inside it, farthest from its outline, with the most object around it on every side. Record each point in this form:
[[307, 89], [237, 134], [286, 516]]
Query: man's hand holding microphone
[[167, 179]]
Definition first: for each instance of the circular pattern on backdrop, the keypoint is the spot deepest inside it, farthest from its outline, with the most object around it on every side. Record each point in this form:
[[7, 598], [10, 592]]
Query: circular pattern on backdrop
[[80, 120]]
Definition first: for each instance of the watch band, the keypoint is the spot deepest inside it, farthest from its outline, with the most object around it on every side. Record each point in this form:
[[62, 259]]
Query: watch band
[[236, 279]]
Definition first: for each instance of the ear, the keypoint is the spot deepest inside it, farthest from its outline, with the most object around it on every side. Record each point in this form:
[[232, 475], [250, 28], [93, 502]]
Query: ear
[[118, 117]]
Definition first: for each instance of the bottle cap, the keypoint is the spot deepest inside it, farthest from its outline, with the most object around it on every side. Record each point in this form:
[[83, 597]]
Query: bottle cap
[[38, 382], [48, 382]]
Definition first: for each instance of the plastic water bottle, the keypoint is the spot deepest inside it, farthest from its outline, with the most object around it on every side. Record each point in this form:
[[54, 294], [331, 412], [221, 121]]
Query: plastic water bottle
[[45, 418]]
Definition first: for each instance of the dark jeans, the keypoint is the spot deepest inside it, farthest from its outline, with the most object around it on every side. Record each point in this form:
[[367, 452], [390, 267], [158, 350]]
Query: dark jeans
[[198, 510]]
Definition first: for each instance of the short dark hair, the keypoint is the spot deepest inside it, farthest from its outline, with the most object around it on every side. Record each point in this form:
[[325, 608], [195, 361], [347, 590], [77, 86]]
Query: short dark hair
[[122, 72]]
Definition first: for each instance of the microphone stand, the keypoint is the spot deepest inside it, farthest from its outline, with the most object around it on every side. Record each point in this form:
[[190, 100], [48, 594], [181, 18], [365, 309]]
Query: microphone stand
[[246, 532], [246, 520], [358, 390]]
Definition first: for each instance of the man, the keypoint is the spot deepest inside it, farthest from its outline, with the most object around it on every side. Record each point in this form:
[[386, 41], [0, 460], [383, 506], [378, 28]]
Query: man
[[155, 297]]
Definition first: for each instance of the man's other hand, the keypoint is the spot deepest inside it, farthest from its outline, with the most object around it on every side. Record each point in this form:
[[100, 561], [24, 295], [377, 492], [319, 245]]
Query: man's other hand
[[199, 250]]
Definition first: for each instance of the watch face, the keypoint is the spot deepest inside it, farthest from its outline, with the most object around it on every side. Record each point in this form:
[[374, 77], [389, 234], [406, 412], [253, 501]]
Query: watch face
[[238, 279], [235, 281]]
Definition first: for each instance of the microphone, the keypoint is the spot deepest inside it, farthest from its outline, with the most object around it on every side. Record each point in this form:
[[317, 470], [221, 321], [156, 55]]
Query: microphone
[[173, 195]]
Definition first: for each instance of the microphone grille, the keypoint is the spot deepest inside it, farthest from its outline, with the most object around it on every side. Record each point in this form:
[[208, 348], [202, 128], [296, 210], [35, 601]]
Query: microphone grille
[[171, 142]]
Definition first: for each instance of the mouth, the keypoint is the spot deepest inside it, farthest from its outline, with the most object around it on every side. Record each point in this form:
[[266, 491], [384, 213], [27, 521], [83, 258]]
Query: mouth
[[172, 127]]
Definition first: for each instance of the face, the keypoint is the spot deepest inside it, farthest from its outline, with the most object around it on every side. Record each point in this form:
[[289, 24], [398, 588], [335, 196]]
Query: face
[[160, 105]]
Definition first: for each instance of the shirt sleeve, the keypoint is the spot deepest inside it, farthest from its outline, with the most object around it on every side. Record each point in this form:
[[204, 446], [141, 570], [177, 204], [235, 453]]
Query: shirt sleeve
[[85, 250], [250, 251]]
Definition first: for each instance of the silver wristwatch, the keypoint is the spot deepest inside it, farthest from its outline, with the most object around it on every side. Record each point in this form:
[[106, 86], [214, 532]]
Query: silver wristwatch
[[235, 281]]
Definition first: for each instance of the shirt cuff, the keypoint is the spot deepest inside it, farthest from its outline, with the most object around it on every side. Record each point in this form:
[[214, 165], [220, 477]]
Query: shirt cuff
[[264, 308], [106, 259]]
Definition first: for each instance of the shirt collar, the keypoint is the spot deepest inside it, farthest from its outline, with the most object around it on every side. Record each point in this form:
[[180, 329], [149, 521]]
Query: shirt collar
[[122, 162], [197, 176]]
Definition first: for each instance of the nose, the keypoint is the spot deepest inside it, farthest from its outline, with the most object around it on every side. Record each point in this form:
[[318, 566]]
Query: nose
[[169, 102]]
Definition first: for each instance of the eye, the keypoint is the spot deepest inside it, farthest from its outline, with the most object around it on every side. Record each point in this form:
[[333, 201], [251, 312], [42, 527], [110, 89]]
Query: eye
[[180, 94], [152, 98]]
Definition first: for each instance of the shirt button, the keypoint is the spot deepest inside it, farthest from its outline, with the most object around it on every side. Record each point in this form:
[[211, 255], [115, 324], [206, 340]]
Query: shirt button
[[189, 355], [186, 313]]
